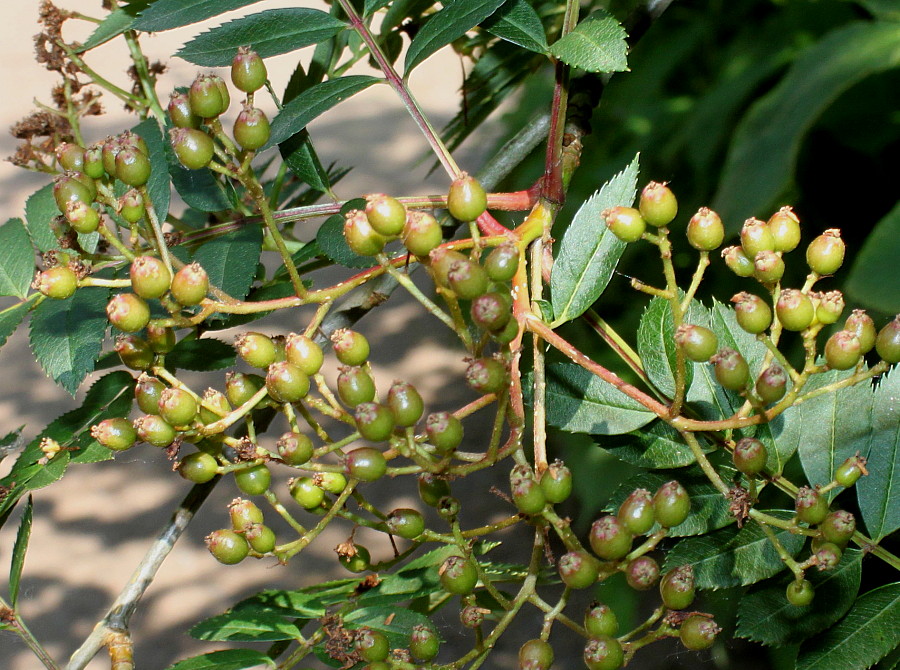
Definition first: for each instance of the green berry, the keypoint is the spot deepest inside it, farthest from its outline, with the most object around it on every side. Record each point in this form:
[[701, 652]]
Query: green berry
[[132, 167], [829, 307], [444, 431], [600, 620], [147, 392], [248, 70], [153, 429], [671, 504], [508, 333], [887, 344], [771, 384], [424, 643], [536, 654], [785, 228], [134, 352], [240, 388], [190, 285], [825, 254], [861, 324], [70, 156], [698, 343], [93, 161], [244, 514], [331, 482], [768, 267], [253, 481], [800, 593], [374, 422], [357, 560], [366, 464], [256, 349], [355, 386], [421, 233], [251, 128], [737, 261], [466, 200], [386, 215], [439, 261], [177, 406], [641, 573], [406, 404], [432, 489], [82, 217], [842, 350], [128, 312], [261, 538], [360, 236], [556, 482], [58, 283], [198, 467], [486, 375], [578, 569], [471, 616], [849, 472], [305, 492], [491, 311], [502, 263], [795, 310], [286, 382], [458, 575], [626, 223], [227, 546], [371, 645], [698, 632], [731, 370], [828, 556], [756, 237], [677, 587], [405, 523], [838, 527], [66, 189], [205, 96], [811, 507], [180, 111], [149, 277], [636, 513], [750, 456], [117, 434], [193, 147], [111, 147], [131, 206], [213, 406], [603, 653], [527, 494], [609, 539], [753, 313], [658, 204], [467, 279], [350, 347], [705, 231], [294, 448], [303, 352]]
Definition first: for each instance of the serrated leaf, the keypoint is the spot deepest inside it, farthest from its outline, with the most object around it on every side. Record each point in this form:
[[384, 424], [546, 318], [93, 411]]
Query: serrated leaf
[[589, 252], [10, 318], [296, 114], [657, 446], [580, 402], [517, 22], [270, 33], [761, 160], [19, 549], [298, 151], [835, 426], [204, 355], [735, 557], [158, 184], [168, 14], [657, 349], [229, 659], [40, 208], [231, 260], [16, 259], [869, 631], [766, 616], [373, 6], [877, 492], [453, 21], [330, 238], [116, 22], [873, 279], [67, 335], [245, 623], [596, 45]]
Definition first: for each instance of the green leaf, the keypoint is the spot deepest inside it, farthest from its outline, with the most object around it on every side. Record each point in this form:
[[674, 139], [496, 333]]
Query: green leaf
[[158, 184], [397, 631], [204, 355], [657, 446], [330, 238], [314, 101], [246, 623], [877, 492], [873, 278], [168, 14], [596, 45], [10, 318], [835, 426], [657, 349], [373, 6], [517, 22], [298, 151], [231, 260], [230, 659], [580, 402], [733, 556], [40, 208], [115, 23], [270, 33], [9, 443], [765, 615], [19, 549], [453, 21], [761, 161], [16, 259], [588, 253], [869, 631], [67, 335]]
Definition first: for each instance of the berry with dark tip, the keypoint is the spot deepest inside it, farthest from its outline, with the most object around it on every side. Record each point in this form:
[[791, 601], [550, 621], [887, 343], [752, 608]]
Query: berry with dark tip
[[406, 404], [227, 546], [355, 386], [527, 494], [750, 456], [444, 431], [180, 111], [256, 349], [609, 539], [248, 70], [636, 512], [738, 262], [251, 128], [658, 205], [134, 352], [486, 375], [471, 616], [731, 370], [599, 620], [842, 350], [603, 653], [350, 347], [128, 312], [677, 587], [458, 575], [466, 200], [800, 592], [467, 279], [358, 560], [829, 307], [150, 278], [491, 311], [753, 313], [626, 223], [374, 422], [698, 632], [190, 285], [285, 382], [861, 324], [556, 482], [193, 147], [771, 384], [825, 254], [795, 310], [698, 343], [756, 237], [502, 262], [131, 206], [421, 233], [155, 430], [785, 228], [810, 506], [386, 215], [198, 467], [405, 523], [828, 555], [117, 434], [58, 283], [578, 569], [366, 464], [294, 448], [671, 504], [642, 573]]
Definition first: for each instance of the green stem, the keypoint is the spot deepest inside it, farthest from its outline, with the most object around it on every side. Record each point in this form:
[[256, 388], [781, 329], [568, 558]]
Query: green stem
[[13, 621], [143, 73]]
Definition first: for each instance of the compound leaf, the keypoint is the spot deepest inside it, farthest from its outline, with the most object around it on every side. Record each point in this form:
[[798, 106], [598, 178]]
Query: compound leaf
[[596, 45], [657, 348], [657, 446], [168, 14]]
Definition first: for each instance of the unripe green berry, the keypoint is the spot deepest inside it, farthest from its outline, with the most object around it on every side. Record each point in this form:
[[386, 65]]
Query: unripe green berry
[[626, 223], [294, 448], [466, 200], [134, 352], [491, 311], [350, 347], [374, 422], [177, 406], [132, 167], [261, 538], [861, 324], [366, 464], [795, 310], [193, 147], [180, 111], [190, 285], [600, 620], [825, 254], [698, 343], [286, 382], [609, 539], [768, 267], [128, 312], [603, 653], [556, 482], [111, 147], [305, 492], [698, 632], [432, 488], [800, 592], [785, 228], [671, 504], [771, 384], [205, 96], [239, 388], [756, 237], [248, 70], [58, 283], [371, 645], [467, 279], [331, 482], [458, 575], [750, 456], [829, 307], [147, 392], [93, 161], [70, 156], [117, 434], [213, 406], [406, 404], [641, 573], [578, 569], [251, 128], [811, 507], [486, 375], [424, 643], [472, 616], [705, 231], [303, 352], [527, 494], [356, 560], [253, 481], [227, 546], [82, 217], [256, 349], [386, 215], [198, 467], [838, 527], [439, 261], [737, 261], [355, 386], [131, 206], [887, 343], [828, 556], [149, 277], [153, 429], [502, 263], [66, 189], [731, 370], [636, 512], [658, 204], [536, 654], [849, 472], [677, 587], [360, 236], [842, 350], [752, 312], [421, 233], [444, 431], [405, 523]]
